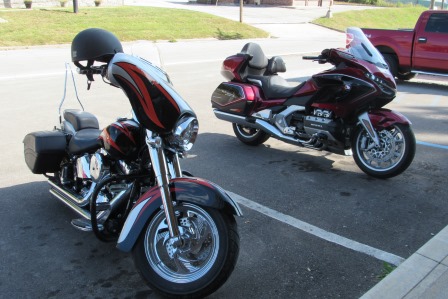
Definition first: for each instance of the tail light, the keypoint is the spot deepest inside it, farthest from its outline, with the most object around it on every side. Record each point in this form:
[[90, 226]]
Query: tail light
[[231, 66]]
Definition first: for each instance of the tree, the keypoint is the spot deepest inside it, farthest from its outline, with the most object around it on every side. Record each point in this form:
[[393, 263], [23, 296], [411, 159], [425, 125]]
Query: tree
[[75, 6], [432, 4]]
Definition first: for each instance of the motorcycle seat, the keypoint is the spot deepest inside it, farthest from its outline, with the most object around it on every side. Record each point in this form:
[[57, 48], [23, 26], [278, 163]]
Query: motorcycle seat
[[84, 141], [81, 119], [274, 87]]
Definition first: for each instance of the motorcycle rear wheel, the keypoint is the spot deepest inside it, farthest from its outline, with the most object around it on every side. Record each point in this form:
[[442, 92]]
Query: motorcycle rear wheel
[[249, 136], [393, 156], [199, 266]]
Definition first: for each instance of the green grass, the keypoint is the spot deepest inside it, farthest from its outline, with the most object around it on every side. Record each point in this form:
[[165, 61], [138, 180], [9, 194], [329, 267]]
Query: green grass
[[59, 26], [382, 18], [25, 27], [387, 269]]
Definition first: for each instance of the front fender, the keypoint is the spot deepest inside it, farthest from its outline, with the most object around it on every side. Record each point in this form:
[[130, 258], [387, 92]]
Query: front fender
[[193, 190], [383, 118]]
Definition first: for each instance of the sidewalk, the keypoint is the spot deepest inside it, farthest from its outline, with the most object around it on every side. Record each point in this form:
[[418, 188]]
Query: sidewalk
[[425, 273]]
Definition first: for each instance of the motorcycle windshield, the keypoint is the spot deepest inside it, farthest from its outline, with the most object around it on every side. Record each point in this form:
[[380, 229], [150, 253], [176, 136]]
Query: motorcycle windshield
[[155, 102], [361, 48]]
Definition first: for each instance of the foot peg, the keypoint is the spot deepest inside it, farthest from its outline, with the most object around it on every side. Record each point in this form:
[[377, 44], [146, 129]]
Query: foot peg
[[84, 225]]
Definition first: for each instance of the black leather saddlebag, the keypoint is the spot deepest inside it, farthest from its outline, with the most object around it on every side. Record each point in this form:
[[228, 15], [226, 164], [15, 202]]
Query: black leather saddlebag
[[44, 151]]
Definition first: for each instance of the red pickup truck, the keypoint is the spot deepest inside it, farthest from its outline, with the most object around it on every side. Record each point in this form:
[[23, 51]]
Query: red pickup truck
[[423, 49]]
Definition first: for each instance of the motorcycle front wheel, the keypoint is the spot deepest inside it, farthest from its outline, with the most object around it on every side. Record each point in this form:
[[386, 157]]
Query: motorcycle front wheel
[[197, 267], [249, 136], [393, 155]]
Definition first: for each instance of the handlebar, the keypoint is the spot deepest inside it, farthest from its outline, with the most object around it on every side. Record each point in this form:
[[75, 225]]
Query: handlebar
[[311, 57], [93, 70], [321, 58]]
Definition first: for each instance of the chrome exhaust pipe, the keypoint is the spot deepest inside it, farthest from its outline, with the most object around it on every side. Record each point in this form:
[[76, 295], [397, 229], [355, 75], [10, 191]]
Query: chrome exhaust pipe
[[72, 201], [240, 120], [276, 133], [78, 200], [258, 124]]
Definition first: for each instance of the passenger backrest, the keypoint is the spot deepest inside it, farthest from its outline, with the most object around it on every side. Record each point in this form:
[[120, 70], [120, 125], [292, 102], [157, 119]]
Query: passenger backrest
[[258, 63], [275, 65]]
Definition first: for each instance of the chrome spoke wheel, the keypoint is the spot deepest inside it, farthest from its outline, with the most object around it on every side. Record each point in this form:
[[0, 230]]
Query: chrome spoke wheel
[[390, 157], [197, 253], [389, 152]]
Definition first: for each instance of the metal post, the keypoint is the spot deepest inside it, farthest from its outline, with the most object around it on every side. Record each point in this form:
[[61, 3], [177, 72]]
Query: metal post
[[75, 6], [241, 11], [329, 13]]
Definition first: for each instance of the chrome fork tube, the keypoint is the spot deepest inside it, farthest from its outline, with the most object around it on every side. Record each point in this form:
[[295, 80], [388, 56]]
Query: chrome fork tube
[[364, 119], [159, 166], [174, 167]]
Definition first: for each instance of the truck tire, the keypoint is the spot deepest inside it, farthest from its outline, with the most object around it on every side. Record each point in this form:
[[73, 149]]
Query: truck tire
[[392, 62], [406, 76]]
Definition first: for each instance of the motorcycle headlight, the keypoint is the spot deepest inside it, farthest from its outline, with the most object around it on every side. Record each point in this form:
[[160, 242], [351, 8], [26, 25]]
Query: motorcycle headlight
[[185, 132], [382, 84]]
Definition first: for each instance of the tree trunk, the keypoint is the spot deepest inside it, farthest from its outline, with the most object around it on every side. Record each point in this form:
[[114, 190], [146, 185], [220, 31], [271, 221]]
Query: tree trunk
[[432, 4]]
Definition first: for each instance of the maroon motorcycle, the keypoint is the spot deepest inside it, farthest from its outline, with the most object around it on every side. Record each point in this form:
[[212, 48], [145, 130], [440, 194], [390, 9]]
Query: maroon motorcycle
[[338, 110]]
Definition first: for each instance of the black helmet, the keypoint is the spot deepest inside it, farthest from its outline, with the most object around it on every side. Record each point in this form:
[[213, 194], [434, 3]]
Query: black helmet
[[95, 44]]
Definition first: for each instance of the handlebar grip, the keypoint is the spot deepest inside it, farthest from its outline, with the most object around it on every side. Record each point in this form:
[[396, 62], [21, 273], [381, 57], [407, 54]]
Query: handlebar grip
[[311, 57]]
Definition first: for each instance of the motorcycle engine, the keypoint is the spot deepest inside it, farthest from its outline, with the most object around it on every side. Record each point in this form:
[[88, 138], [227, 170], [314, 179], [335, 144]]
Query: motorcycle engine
[[322, 122], [90, 167]]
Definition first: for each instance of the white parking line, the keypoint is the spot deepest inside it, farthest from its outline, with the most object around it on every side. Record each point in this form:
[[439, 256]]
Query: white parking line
[[318, 232], [31, 76], [445, 147], [436, 101]]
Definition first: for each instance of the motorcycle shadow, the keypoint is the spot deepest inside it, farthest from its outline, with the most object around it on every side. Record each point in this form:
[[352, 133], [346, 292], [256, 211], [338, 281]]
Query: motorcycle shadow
[[40, 246], [224, 156]]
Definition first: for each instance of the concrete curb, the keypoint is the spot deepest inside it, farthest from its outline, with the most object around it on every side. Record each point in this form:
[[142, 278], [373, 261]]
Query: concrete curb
[[423, 275]]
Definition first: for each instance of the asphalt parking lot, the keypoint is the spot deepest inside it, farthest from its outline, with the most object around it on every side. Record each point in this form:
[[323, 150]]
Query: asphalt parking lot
[[314, 225]]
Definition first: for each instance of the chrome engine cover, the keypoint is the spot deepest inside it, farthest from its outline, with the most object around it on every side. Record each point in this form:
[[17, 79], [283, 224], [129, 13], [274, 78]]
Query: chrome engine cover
[[96, 166], [83, 167]]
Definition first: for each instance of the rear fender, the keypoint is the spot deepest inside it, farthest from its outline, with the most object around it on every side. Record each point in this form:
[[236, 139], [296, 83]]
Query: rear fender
[[383, 118], [193, 190]]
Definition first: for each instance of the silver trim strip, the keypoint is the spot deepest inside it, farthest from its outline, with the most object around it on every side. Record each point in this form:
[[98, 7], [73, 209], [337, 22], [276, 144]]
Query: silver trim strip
[[429, 73]]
